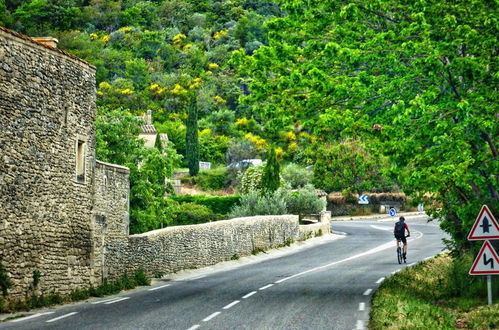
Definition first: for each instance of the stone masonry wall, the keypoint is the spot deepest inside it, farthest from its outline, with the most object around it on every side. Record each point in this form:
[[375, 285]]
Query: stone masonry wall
[[175, 248], [110, 220], [47, 105]]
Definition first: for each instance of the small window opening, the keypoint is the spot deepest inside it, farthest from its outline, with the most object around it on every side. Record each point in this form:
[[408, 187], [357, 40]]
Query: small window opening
[[80, 161]]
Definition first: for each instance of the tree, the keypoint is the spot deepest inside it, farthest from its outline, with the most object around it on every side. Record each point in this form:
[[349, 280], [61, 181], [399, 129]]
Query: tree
[[191, 138], [424, 71], [270, 178]]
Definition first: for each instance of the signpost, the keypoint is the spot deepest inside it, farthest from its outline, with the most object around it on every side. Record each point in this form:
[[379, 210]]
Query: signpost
[[487, 260], [363, 199]]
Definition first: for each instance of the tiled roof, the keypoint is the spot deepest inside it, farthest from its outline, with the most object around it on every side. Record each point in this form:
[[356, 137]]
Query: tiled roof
[[163, 137], [148, 129], [24, 37]]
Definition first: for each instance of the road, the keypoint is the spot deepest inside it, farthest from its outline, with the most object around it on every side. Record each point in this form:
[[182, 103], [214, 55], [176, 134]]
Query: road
[[327, 285]]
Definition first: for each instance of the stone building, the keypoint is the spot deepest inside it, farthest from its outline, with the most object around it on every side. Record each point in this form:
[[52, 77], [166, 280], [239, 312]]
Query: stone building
[[62, 212]]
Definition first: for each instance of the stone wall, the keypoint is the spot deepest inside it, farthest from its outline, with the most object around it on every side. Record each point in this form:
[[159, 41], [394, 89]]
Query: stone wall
[[175, 248]]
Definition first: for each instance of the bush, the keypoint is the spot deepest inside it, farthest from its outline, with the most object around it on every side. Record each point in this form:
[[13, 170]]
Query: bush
[[271, 179], [305, 201], [215, 179], [217, 204], [253, 204], [191, 214], [5, 282], [297, 176], [251, 179]]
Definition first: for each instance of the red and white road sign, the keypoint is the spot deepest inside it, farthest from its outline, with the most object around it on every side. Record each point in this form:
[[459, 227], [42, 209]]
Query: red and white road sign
[[485, 226], [486, 262]]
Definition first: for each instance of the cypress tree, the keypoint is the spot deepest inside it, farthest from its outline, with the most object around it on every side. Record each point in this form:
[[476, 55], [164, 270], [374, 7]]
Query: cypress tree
[[192, 142], [270, 179]]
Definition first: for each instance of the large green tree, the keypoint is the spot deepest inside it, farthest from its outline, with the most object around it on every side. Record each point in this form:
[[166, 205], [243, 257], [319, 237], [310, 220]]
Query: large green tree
[[417, 78]]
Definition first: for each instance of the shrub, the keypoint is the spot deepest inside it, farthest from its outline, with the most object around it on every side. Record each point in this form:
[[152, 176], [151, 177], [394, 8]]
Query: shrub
[[251, 179], [217, 204], [305, 201], [141, 278], [253, 204], [270, 177], [5, 282], [215, 179], [192, 213], [297, 176]]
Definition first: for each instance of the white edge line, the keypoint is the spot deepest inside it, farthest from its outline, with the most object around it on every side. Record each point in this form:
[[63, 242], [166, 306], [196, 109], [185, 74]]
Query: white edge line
[[212, 316], [410, 265], [117, 300], [31, 316], [362, 306], [266, 287], [159, 287], [380, 280], [61, 317], [360, 324], [104, 301], [249, 294], [194, 327], [282, 280], [368, 292], [232, 304]]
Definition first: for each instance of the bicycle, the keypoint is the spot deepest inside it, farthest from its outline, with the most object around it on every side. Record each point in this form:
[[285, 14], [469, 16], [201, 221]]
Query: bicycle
[[400, 253]]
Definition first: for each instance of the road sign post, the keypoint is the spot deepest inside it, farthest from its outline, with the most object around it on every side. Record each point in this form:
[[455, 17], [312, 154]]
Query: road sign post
[[487, 260]]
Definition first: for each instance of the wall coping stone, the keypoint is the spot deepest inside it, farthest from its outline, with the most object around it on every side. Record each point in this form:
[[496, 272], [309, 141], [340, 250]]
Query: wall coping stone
[[118, 167]]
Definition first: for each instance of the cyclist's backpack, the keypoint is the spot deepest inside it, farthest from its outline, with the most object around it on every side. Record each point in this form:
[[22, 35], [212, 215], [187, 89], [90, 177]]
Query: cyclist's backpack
[[399, 228]]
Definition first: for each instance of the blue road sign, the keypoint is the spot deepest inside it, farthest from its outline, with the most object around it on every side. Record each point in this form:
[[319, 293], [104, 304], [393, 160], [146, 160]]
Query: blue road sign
[[363, 199], [392, 212]]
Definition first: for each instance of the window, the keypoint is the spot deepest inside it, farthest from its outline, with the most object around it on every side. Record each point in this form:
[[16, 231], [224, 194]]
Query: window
[[80, 161]]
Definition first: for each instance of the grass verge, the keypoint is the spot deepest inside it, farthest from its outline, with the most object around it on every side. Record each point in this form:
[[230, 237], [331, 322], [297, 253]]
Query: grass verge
[[437, 294]]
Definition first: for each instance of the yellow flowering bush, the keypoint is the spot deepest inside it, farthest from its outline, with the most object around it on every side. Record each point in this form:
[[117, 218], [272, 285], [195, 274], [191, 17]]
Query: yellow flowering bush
[[209, 73], [219, 99], [292, 147], [178, 39], [94, 36], [279, 153], [220, 34], [178, 90], [242, 122], [187, 47], [195, 83], [126, 29], [213, 66], [104, 85], [126, 91], [106, 38], [257, 141], [290, 136]]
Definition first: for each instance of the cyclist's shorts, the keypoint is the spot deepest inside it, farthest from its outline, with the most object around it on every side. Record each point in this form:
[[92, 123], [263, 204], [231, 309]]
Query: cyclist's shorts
[[401, 238]]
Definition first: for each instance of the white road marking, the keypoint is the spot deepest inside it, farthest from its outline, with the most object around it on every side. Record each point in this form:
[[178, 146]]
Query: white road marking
[[115, 301], [194, 327], [382, 228], [427, 258], [103, 301], [360, 325], [249, 294], [377, 249], [159, 287], [32, 316], [396, 271], [61, 317], [266, 287], [410, 265], [212, 316], [232, 304], [196, 278], [282, 280], [362, 306], [368, 292], [380, 280]]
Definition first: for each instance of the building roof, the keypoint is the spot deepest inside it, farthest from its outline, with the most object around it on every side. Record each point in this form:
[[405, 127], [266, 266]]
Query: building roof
[[60, 51], [148, 129]]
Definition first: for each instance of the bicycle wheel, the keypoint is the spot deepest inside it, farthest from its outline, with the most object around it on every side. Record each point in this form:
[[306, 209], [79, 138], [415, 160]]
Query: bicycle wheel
[[399, 255]]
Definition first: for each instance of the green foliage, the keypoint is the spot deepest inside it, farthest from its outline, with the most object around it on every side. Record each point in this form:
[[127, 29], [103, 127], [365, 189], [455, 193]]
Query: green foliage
[[239, 150], [251, 179], [254, 203], [191, 214], [434, 295], [217, 204], [271, 179], [37, 275], [192, 142], [297, 176], [305, 201], [215, 179], [349, 165], [5, 282], [212, 148]]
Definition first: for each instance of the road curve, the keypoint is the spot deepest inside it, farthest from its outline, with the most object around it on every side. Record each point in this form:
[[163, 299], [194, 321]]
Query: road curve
[[325, 286]]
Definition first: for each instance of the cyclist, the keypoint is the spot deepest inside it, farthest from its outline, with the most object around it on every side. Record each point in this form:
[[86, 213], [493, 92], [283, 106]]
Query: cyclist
[[399, 232]]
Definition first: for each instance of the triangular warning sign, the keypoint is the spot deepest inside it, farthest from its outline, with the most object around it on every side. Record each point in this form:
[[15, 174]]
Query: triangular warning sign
[[486, 262], [485, 226]]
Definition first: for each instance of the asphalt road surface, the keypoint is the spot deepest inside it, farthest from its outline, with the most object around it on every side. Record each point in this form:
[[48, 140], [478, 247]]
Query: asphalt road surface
[[325, 284]]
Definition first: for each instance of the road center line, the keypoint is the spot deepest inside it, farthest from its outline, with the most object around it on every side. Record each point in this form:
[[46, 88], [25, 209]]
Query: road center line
[[61, 317], [249, 294], [362, 306], [282, 280], [368, 292], [159, 287], [266, 287], [103, 301], [212, 316], [379, 248], [380, 280], [232, 304], [32, 316], [115, 301], [360, 325], [194, 327]]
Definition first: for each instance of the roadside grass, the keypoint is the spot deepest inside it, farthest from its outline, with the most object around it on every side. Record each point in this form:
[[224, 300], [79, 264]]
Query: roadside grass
[[436, 294]]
